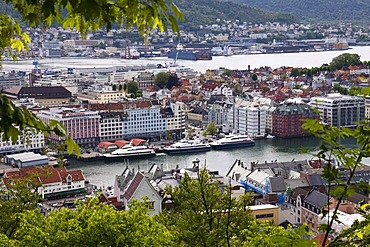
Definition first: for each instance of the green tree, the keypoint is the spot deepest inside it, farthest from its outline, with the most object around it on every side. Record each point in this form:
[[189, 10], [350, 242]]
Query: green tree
[[132, 87], [294, 72], [91, 224], [19, 195], [161, 79], [254, 77], [211, 129], [203, 215], [345, 60], [114, 87], [337, 159], [168, 135], [82, 16], [173, 81], [120, 87]]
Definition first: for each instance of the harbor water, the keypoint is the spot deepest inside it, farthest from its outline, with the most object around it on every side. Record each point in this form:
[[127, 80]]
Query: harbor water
[[103, 174]]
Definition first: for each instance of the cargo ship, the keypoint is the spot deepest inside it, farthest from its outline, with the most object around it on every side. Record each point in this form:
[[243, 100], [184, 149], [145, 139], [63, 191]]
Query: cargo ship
[[190, 55], [187, 54]]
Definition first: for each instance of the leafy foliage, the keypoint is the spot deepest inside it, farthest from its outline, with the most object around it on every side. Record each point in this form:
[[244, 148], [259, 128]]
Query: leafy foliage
[[335, 155], [132, 87], [92, 224], [358, 234], [87, 15], [203, 215], [211, 129], [327, 11], [19, 196], [14, 120], [161, 79], [345, 60]]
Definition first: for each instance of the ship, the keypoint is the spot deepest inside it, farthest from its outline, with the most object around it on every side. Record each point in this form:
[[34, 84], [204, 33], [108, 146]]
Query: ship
[[130, 54], [187, 54], [187, 146], [127, 152], [190, 54], [233, 141]]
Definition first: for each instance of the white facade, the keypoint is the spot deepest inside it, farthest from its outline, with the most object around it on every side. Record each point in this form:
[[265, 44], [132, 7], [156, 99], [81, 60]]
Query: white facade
[[111, 126], [177, 122], [28, 140], [247, 117], [252, 121], [144, 122], [61, 186], [339, 110]]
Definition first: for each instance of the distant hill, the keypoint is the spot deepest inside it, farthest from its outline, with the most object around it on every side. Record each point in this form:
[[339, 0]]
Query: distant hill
[[356, 11], [200, 12]]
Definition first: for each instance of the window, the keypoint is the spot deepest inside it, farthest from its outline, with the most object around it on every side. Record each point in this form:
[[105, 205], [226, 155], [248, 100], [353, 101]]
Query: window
[[263, 216], [150, 205]]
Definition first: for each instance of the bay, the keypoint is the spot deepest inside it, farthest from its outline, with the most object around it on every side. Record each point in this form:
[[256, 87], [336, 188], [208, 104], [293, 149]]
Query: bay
[[266, 150], [304, 59], [103, 174]]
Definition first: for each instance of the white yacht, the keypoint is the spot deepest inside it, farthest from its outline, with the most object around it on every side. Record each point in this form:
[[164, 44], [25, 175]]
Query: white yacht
[[130, 152], [187, 146], [233, 141]]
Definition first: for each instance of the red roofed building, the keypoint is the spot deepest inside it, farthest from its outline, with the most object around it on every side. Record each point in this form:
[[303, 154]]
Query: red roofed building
[[54, 182]]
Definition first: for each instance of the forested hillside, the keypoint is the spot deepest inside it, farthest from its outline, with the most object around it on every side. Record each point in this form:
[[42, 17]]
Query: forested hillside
[[318, 10], [200, 12]]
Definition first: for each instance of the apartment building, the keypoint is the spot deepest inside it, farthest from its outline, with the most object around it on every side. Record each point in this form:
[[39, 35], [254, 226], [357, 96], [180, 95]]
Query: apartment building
[[82, 125], [339, 110], [28, 140]]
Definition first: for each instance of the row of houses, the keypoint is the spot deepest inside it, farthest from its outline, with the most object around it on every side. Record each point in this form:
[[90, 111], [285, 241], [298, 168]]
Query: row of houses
[[299, 190]]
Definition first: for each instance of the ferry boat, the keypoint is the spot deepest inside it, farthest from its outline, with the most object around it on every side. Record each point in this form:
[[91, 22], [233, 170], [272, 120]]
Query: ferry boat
[[233, 141], [127, 152], [187, 146]]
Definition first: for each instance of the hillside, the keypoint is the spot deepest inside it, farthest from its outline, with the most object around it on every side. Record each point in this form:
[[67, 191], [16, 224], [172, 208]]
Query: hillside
[[317, 10], [200, 12]]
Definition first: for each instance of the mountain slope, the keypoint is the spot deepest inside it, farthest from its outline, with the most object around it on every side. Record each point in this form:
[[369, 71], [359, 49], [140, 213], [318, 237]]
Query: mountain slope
[[318, 10], [200, 12]]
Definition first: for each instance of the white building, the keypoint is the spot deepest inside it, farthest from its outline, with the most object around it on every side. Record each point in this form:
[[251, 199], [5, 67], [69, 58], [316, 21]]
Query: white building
[[175, 123], [247, 117], [339, 110], [111, 125], [55, 182], [28, 140], [27, 159], [130, 186], [144, 123]]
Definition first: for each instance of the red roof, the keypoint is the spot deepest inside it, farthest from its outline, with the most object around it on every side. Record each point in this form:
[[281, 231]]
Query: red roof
[[137, 141], [45, 175], [121, 143], [105, 145]]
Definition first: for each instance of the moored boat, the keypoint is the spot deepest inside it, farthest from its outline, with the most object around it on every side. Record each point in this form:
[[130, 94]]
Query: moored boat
[[128, 152], [233, 141], [187, 146]]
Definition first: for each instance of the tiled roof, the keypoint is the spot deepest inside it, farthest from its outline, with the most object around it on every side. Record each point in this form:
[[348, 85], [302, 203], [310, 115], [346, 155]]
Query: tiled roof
[[132, 187], [46, 175]]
